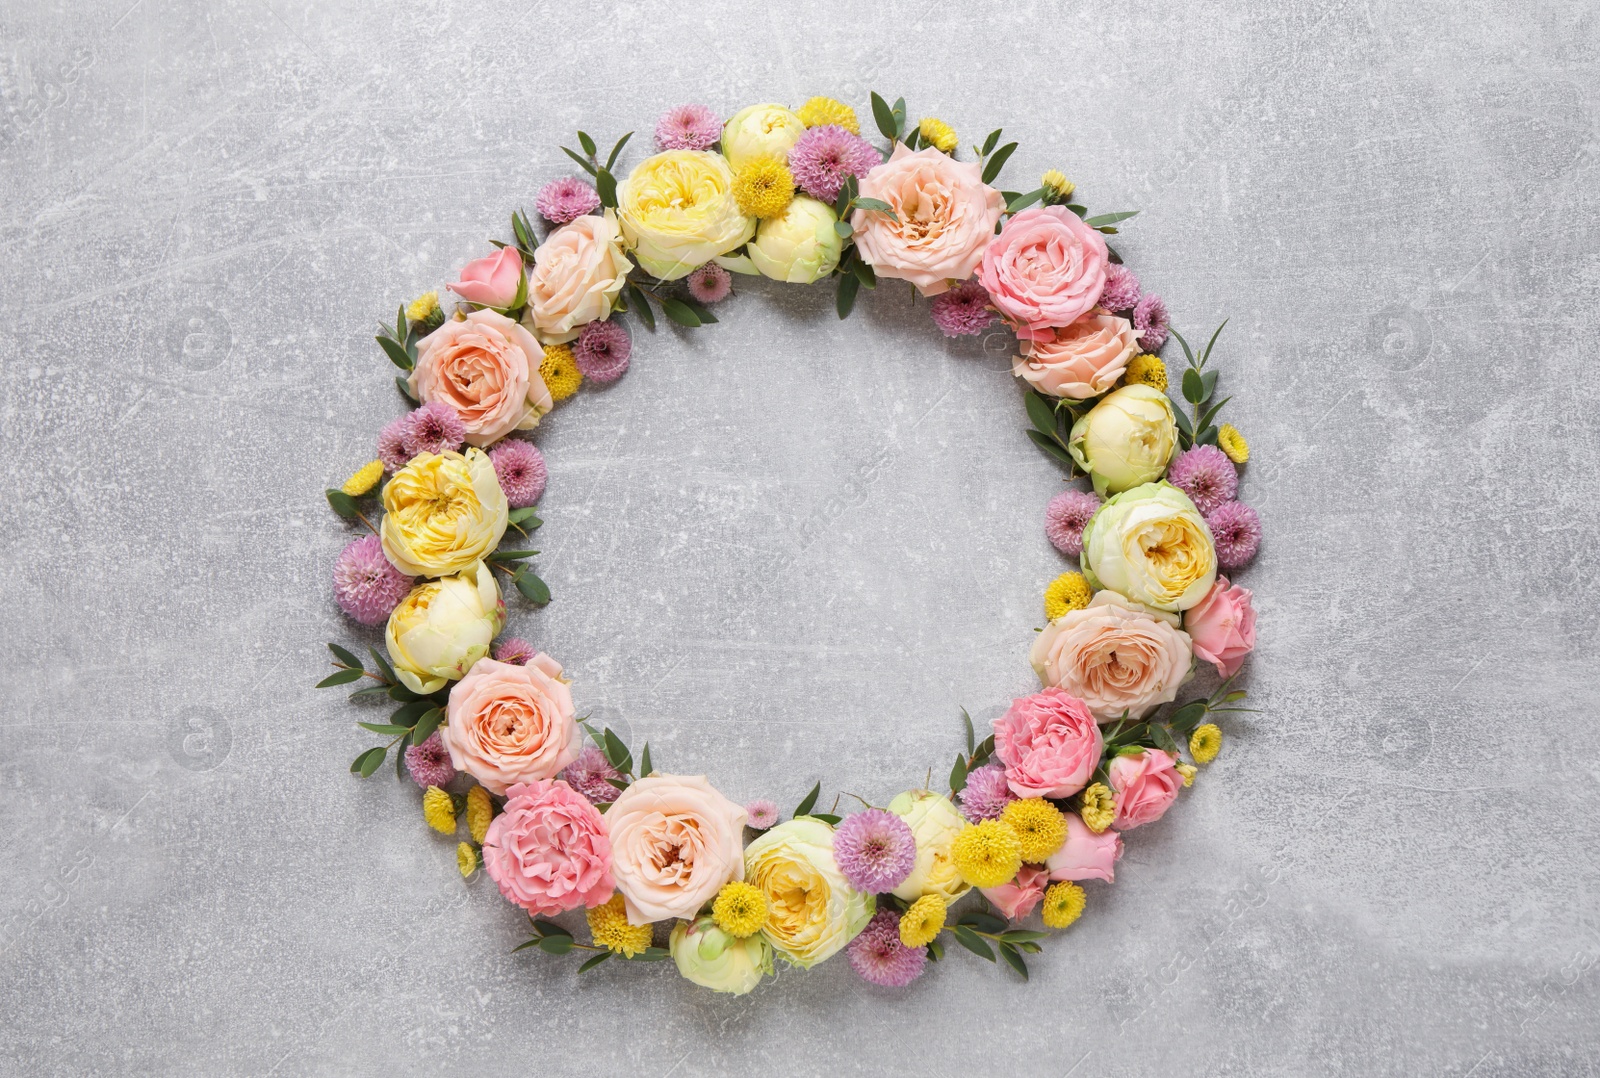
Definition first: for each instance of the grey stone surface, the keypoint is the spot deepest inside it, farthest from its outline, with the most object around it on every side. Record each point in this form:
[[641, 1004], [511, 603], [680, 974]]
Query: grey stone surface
[[786, 547]]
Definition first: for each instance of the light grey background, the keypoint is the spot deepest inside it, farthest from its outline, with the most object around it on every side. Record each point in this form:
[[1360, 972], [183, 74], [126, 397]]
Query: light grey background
[[785, 547]]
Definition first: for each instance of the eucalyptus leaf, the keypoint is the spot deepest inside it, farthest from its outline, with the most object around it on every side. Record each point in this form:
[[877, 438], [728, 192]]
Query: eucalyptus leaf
[[547, 927], [1206, 355], [845, 300], [809, 802], [345, 656], [1206, 437], [935, 950], [639, 305], [1022, 202], [991, 142], [582, 163], [679, 312], [427, 725], [556, 944], [958, 774], [883, 115], [972, 942], [865, 273], [606, 184], [369, 692], [525, 946], [617, 150], [532, 588], [384, 728], [827, 817], [396, 352], [701, 312], [405, 389], [966, 721], [1041, 412], [644, 760], [618, 753], [992, 166], [339, 677], [1182, 421], [527, 518], [1023, 935], [1211, 413], [1188, 353], [400, 755], [844, 229], [369, 761], [1051, 446], [1163, 739], [1114, 255], [511, 555], [899, 112], [342, 503], [1208, 381], [983, 921], [402, 694], [594, 961], [411, 712], [383, 664], [587, 143], [1013, 959], [1109, 218]]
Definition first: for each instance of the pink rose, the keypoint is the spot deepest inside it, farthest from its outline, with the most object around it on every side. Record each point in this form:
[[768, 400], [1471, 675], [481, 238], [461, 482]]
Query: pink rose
[[944, 216], [1045, 269], [1085, 855], [1015, 900], [1223, 626], [674, 842], [491, 280], [1113, 656], [1143, 785], [577, 273], [1079, 361], [1049, 743], [548, 850], [507, 724], [487, 369]]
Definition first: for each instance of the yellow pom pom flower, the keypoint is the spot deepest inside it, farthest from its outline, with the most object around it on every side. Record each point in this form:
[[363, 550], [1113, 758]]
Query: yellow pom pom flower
[[764, 188], [480, 810], [364, 480], [1041, 827], [1069, 591], [423, 307], [922, 921], [938, 134], [1187, 770], [821, 111], [560, 372], [466, 859], [1098, 807], [740, 909], [1063, 904], [1057, 188], [439, 810], [1231, 442], [1205, 743], [986, 854], [609, 926], [1146, 370]]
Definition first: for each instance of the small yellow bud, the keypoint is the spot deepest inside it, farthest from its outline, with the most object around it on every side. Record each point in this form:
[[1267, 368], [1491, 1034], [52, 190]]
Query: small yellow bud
[[439, 810]]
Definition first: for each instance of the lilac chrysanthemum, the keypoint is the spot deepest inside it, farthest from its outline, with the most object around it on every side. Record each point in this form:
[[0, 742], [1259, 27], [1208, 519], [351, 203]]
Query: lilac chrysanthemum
[[875, 850], [879, 956], [986, 794], [761, 814], [429, 763], [514, 650], [1066, 516], [602, 350], [963, 310], [823, 157], [367, 586], [688, 127], [434, 428], [566, 199], [588, 774], [1237, 531], [1122, 288], [1205, 474], [392, 443], [1150, 321], [521, 470], [710, 283]]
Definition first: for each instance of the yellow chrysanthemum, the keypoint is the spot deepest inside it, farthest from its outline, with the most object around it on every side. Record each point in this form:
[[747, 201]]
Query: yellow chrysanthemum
[[1069, 591], [1146, 370], [1205, 743], [821, 111], [1187, 770], [1098, 808], [740, 909], [439, 811], [1063, 904], [987, 854], [560, 371], [480, 810], [1041, 827], [1057, 187], [764, 188], [1232, 443], [609, 926], [423, 307], [922, 921], [466, 859], [365, 479], [938, 134]]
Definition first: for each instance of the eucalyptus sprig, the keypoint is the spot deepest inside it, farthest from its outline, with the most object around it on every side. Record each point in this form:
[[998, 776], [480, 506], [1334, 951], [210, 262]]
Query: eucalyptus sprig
[[684, 310], [605, 181], [619, 757], [551, 938], [976, 926], [418, 716], [1127, 737], [1199, 386], [1052, 420], [399, 343], [977, 754]]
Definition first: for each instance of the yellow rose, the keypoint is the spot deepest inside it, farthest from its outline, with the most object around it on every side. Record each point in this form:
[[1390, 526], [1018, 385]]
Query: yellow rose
[[677, 212], [443, 627], [760, 130], [1125, 440], [442, 513], [812, 912], [800, 247], [1151, 545], [711, 958], [935, 823]]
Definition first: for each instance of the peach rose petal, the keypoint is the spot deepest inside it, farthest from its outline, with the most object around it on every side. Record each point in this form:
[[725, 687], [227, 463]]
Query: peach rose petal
[[508, 724]]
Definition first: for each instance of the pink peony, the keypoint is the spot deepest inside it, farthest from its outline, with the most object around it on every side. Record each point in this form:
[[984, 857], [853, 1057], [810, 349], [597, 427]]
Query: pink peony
[[491, 280], [944, 216], [1049, 743], [1045, 269], [548, 850], [1222, 626], [1085, 855], [1015, 900], [1143, 787]]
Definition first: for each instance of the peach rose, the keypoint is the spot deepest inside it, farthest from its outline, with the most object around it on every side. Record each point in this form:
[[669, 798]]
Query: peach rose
[[1049, 743], [1079, 361], [1015, 900], [487, 369], [508, 724], [1045, 269], [674, 842], [1085, 855], [1223, 626], [577, 273], [1114, 656], [492, 280], [945, 216], [1143, 786]]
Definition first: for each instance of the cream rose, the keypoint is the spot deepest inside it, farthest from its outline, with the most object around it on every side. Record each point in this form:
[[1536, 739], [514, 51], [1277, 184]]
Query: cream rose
[[1079, 361], [812, 911], [760, 131], [577, 273], [507, 724], [1126, 439], [1113, 656], [487, 369], [442, 513], [935, 823], [944, 217], [677, 212], [443, 627], [674, 842], [1151, 545]]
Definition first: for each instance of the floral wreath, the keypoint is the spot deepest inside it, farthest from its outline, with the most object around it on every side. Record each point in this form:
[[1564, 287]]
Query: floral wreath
[[660, 862]]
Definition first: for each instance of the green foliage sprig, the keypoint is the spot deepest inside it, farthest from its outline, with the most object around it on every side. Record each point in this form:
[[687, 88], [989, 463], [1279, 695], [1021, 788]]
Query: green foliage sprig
[[413, 723], [1199, 386]]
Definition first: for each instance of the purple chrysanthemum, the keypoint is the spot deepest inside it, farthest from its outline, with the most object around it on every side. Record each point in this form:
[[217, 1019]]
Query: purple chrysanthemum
[[367, 586], [879, 956], [761, 814], [986, 794], [521, 470], [688, 127], [1205, 474], [602, 351], [823, 157], [1237, 531], [1066, 516], [514, 650], [392, 443], [588, 774], [566, 199], [875, 850], [1122, 288], [963, 310], [710, 283], [434, 428], [1150, 321], [429, 763]]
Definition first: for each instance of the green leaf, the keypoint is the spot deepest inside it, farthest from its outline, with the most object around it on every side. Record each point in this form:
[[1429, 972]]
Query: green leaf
[[883, 115], [845, 299], [1212, 342], [1023, 935], [958, 774], [1207, 436], [369, 692], [1188, 353], [617, 150], [651, 954], [547, 927], [339, 677], [1013, 959], [342, 503], [991, 142], [520, 230], [966, 721], [1237, 694], [400, 755], [972, 942], [1041, 412], [876, 205], [865, 273], [1163, 739], [913, 139], [411, 712], [511, 555], [899, 112], [701, 312], [621, 784], [396, 352], [618, 753], [1109, 218], [556, 944], [523, 517], [827, 818], [1022, 202], [532, 588], [1187, 717], [935, 949], [1183, 423], [993, 165], [525, 946], [1051, 446], [587, 143], [594, 961], [1208, 382], [1113, 255], [844, 229], [582, 163], [345, 656], [384, 728], [383, 665], [809, 802], [405, 389], [1194, 390], [606, 185], [982, 921], [369, 761], [402, 694], [427, 725], [640, 306], [1211, 413], [644, 760], [679, 312]]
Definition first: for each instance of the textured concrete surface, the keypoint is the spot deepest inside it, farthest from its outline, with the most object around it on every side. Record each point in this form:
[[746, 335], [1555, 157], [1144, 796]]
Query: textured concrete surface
[[786, 546]]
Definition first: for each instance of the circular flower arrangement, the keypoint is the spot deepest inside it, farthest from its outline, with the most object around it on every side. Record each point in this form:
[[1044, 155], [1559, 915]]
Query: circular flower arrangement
[[563, 817]]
